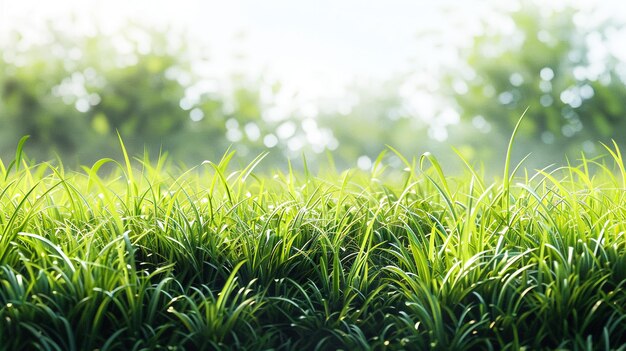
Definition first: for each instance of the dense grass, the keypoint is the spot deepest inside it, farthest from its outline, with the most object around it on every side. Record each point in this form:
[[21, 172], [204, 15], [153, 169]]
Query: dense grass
[[153, 257]]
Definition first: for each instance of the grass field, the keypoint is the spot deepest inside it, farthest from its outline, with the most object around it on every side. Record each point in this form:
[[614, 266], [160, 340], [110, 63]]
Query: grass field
[[149, 257]]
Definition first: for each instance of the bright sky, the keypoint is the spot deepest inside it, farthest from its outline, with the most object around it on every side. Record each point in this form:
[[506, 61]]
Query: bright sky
[[316, 46]]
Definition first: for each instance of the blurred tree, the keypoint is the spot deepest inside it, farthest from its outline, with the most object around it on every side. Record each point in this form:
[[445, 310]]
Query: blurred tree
[[72, 93], [556, 62], [28, 105], [140, 96]]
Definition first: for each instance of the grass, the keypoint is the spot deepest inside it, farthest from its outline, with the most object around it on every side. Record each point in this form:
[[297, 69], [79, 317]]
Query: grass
[[146, 256]]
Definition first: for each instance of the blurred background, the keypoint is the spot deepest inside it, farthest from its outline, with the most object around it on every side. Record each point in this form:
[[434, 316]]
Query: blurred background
[[324, 79]]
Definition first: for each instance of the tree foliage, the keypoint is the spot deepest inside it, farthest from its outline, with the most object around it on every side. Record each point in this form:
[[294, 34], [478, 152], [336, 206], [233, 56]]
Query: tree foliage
[[552, 61], [73, 93]]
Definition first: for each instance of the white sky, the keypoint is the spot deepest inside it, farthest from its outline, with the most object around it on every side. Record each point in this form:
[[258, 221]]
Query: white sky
[[316, 46], [313, 47]]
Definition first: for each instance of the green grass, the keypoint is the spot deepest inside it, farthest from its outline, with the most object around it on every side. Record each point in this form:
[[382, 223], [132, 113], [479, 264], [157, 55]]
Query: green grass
[[144, 256]]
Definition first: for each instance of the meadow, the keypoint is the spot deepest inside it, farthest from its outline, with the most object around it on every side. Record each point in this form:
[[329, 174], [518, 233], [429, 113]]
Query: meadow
[[145, 255]]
